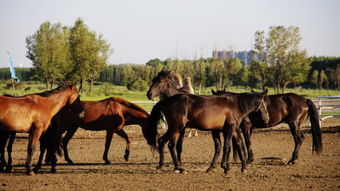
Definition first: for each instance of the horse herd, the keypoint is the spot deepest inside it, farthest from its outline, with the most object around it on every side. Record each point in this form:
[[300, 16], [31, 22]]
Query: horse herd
[[48, 115]]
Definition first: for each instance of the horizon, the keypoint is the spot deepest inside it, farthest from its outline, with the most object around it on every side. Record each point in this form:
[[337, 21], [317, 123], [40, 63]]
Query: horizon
[[141, 31]]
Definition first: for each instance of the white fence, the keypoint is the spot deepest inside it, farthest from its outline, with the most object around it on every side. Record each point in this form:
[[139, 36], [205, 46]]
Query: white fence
[[328, 106]]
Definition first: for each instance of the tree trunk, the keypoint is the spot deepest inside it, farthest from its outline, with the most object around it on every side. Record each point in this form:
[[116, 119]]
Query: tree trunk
[[47, 83], [91, 86], [81, 86]]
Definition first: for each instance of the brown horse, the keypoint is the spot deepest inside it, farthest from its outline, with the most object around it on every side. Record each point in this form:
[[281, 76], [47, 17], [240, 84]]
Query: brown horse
[[110, 114], [33, 113], [167, 84], [287, 108], [215, 113], [49, 140]]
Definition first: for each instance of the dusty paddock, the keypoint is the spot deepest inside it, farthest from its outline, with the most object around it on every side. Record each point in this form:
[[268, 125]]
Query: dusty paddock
[[272, 149]]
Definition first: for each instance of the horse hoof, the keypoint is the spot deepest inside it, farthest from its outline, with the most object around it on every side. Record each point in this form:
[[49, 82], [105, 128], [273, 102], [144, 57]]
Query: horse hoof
[[107, 162], [210, 170], [30, 173], [180, 171], [70, 162], [53, 171], [292, 162], [126, 157], [8, 170], [35, 170], [244, 170]]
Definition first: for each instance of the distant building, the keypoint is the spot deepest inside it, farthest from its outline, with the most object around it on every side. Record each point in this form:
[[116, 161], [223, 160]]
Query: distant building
[[245, 56]]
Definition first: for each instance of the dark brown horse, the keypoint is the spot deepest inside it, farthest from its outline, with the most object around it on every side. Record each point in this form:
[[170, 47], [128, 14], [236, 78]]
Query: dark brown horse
[[164, 85], [215, 113], [110, 114], [33, 113], [287, 108]]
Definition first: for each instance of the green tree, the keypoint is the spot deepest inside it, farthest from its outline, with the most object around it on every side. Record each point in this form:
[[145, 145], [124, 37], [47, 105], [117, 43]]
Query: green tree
[[314, 78], [200, 74], [259, 72], [48, 49], [89, 53], [282, 46]]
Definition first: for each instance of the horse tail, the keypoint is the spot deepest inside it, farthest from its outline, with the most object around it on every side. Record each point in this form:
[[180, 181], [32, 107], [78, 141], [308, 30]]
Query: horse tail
[[316, 129], [153, 119]]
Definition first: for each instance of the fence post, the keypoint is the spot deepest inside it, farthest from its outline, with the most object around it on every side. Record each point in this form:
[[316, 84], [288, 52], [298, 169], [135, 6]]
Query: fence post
[[320, 102]]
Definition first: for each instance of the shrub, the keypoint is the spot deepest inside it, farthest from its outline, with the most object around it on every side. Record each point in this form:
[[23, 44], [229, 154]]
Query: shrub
[[138, 85]]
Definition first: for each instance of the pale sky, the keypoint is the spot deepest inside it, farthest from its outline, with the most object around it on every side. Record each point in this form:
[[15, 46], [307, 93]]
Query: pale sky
[[140, 30]]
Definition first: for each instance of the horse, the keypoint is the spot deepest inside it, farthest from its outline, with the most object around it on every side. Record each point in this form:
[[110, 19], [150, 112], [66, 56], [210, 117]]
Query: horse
[[32, 114], [48, 141], [209, 113], [110, 114], [288, 108], [167, 84]]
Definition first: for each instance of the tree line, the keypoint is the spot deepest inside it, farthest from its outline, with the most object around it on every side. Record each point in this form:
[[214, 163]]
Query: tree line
[[61, 54]]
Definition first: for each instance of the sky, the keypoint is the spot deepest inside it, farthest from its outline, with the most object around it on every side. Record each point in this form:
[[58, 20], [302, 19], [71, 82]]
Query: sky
[[140, 30]]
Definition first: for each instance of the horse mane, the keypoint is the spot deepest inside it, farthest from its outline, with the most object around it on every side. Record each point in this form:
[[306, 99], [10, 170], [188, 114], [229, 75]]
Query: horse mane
[[245, 100], [50, 92], [171, 77], [128, 104]]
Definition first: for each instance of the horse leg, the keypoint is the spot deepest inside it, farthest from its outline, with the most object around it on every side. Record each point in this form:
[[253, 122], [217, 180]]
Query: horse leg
[[217, 143], [240, 150], [3, 140], [227, 134], [41, 156], [161, 142], [298, 139], [9, 151], [123, 134], [246, 130], [174, 154], [69, 134], [32, 142], [109, 134], [179, 146]]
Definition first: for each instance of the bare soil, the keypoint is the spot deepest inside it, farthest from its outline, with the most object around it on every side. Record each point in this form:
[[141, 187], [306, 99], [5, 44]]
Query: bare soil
[[272, 148]]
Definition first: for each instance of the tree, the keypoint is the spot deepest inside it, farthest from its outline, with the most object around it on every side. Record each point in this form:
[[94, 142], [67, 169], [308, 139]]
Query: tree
[[89, 53], [48, 49], [242, 76], [200, 74], [282, 46], [260, 72]]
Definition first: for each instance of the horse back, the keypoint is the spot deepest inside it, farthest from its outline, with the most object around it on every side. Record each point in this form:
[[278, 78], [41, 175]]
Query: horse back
[[201, 112], [19, 113], [285, 107]]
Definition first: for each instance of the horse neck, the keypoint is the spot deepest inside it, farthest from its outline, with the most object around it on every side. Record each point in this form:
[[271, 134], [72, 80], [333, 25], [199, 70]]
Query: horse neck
[[135, 117], [58, 101], [246, 104], [168, 92]]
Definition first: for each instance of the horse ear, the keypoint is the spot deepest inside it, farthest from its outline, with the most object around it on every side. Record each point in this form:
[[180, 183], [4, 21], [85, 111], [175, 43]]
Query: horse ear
[[265, 92], [213, 92], [73, 86]]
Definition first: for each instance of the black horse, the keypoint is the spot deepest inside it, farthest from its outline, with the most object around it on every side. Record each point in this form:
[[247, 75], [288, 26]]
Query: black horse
[[209, 113], [287, 108]]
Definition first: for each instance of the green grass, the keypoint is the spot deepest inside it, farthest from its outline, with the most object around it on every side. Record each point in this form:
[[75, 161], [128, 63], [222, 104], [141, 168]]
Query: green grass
[[105, 90]]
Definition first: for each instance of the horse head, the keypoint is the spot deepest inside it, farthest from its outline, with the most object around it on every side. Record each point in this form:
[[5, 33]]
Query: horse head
[[74, 101], [162, 85]]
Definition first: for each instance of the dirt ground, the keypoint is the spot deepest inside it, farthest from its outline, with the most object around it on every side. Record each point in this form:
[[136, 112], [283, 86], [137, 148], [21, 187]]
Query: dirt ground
[[272, 148]]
